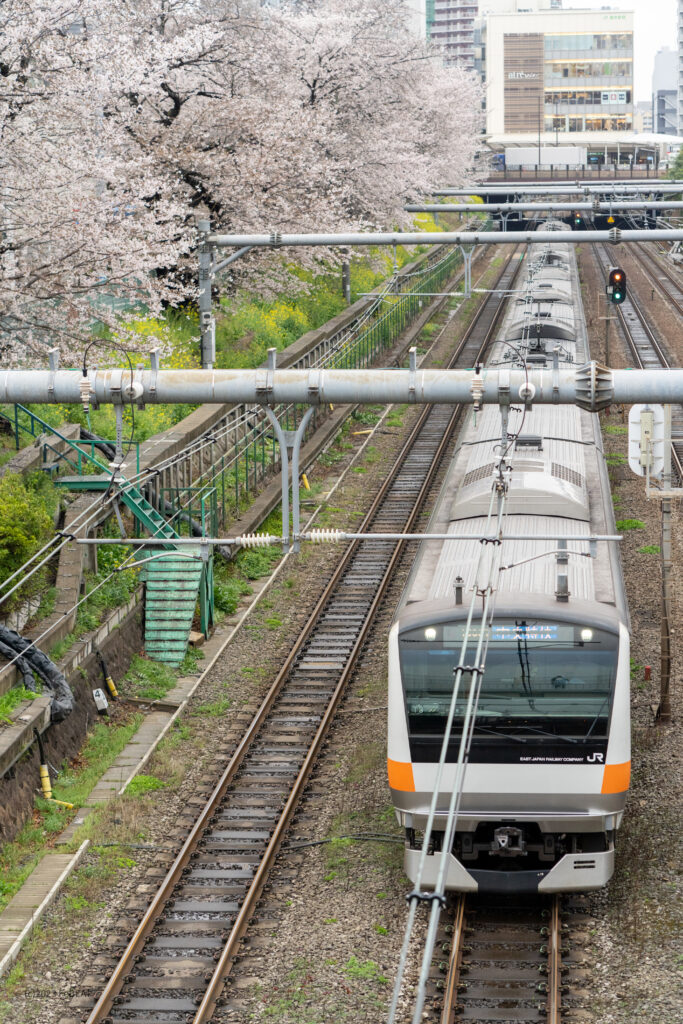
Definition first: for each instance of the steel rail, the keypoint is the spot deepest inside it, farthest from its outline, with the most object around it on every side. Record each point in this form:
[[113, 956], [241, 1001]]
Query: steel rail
[[214, 989], [657, 348], [210, 1000], [553, 1004], [652, 267], [144, 929], [450, 997], [163, 894]]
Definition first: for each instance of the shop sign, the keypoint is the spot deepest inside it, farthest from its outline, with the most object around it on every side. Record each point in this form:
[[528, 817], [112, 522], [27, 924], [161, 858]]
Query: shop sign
[[613, 96]]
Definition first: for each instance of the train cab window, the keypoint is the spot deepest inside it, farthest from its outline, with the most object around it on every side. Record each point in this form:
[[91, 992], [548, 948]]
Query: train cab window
[[541, 680]]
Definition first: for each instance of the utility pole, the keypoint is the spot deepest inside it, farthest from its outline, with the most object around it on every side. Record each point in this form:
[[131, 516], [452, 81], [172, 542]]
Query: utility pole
[[346, 281], [608, 319], [207, 324], [664, 709]]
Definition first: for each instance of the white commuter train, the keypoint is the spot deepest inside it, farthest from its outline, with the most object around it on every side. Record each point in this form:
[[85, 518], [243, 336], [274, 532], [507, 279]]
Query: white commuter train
[[549, 764]]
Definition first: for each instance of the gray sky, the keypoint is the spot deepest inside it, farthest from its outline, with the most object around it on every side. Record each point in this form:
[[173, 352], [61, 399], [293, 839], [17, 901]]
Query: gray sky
[[655, 28]]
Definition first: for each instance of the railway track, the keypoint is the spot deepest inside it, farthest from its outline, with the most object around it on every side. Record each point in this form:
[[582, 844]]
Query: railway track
[[647, 351], [503, 961], [174, 966], [667, 281]]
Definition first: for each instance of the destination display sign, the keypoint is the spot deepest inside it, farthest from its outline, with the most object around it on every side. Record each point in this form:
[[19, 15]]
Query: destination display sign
[[525, 631]]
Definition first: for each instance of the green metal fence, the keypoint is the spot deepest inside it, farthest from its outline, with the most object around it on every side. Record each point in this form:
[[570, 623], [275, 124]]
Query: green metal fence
[[237, 473]]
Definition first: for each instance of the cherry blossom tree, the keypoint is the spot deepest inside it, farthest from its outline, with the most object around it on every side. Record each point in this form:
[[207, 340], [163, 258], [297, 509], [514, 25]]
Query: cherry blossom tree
[[118, 125]]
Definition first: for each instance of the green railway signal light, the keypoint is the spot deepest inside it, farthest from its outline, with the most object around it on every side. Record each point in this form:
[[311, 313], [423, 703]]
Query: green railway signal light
[[578, 220], [616, 286]]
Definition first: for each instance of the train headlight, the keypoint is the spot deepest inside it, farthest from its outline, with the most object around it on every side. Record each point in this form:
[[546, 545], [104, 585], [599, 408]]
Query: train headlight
[[586, 635], [430, 633]]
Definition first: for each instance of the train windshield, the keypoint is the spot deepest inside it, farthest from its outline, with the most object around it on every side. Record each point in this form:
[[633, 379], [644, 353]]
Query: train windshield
[[542, 681]]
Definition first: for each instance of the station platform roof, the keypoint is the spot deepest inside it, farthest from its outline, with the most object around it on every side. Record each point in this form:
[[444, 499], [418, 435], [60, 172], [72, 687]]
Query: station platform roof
[[624, 141]]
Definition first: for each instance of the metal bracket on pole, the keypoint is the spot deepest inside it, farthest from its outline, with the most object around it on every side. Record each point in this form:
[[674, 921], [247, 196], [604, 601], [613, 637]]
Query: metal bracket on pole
[[412, 354], [207, 324], [467, 261], [231, 259], [296, 451], [504, 400], [284, 474], [53, 362], [290, 439]]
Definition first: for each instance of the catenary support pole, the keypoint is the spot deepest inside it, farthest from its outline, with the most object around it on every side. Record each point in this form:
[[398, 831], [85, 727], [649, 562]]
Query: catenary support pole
[[207, 324], [664, 709]]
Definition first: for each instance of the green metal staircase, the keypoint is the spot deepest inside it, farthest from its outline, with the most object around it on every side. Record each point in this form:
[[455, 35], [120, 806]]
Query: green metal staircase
[[174, 578], [172, 582], [171, 588]]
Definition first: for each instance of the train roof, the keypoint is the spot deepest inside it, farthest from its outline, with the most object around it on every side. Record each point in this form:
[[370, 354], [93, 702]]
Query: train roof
[[556, 478]]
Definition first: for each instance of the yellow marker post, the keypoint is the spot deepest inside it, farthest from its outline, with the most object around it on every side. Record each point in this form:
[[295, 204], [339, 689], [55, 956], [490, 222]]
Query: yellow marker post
[[304, 481]]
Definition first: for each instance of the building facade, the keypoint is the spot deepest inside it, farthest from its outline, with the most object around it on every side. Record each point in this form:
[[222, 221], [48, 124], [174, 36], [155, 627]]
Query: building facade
[[642, 116], [680, 67], [450, 26], [558, 72], [665, 92]]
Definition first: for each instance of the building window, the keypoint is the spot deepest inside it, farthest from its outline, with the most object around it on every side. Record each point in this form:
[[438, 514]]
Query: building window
[[600, 41]]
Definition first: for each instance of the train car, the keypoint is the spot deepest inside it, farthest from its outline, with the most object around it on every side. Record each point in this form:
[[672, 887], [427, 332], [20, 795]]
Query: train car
[[548, 767]]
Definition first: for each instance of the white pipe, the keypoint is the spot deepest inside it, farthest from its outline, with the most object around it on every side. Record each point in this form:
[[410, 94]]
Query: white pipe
[[591, 385], [275, 240], [604, 205]]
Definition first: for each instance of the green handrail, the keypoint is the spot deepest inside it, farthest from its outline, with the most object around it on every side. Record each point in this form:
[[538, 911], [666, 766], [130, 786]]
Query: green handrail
[[75, 445]]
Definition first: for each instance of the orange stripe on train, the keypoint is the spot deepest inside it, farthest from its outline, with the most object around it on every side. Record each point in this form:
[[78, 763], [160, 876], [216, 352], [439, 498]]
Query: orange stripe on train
[[401, 775], [616, 778]]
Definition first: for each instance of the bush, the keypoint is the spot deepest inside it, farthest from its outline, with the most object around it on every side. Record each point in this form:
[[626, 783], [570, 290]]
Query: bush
[[27, 506]]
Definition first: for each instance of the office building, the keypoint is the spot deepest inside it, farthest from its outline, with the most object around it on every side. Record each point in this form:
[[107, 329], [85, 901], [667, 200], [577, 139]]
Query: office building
[[558, 71]]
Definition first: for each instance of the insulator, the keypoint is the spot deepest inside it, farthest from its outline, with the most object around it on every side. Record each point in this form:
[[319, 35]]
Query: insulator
[[256, 540], [325, 536]]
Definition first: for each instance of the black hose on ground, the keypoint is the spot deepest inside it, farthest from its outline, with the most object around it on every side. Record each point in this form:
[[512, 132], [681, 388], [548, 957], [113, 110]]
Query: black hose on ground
[[106, 447], [32, 662]]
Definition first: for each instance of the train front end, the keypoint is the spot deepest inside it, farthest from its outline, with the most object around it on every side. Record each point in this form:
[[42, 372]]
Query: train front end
[[548, 765]]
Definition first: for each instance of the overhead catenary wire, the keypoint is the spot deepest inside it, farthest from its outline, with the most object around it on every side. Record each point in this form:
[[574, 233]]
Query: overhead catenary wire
[[496, 510], [191, 450]]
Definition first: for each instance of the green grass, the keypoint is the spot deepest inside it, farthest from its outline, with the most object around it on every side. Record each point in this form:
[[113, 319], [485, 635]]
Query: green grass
[[630, 524], [649, 549], [20, 856], [214, 709], [148, 679], [144, 784], [614, 429], [190, 663], [11, 700], [364, 970], [103, 745], [105, 594], [232, 580], [615, 459]]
